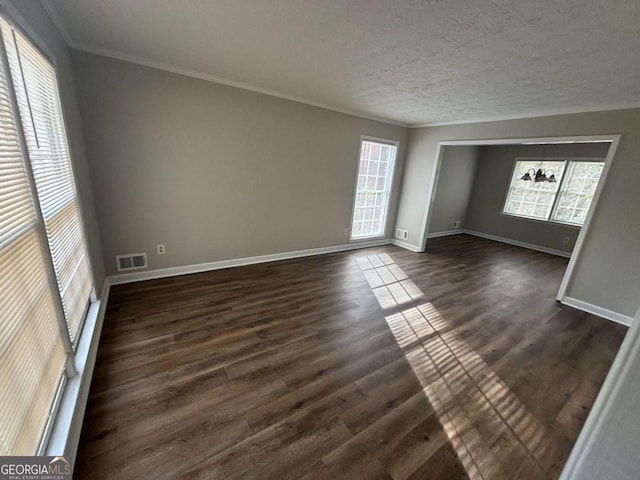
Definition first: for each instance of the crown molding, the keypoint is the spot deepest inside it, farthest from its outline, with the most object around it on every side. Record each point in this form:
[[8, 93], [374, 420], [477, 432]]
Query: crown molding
[[225, 81], [549, 113], [117, 55], [64, 33]]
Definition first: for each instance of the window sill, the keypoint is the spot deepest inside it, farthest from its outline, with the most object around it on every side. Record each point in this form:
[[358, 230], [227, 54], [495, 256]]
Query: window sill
[[68, 421], [536, 220], [367, 238]]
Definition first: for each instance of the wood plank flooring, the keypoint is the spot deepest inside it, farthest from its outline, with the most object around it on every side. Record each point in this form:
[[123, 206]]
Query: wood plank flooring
[[371, 364]]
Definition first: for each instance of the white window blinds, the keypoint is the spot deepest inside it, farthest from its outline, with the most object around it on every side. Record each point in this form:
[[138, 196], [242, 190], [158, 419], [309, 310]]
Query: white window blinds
[[36, 89], [45, 281], [31, 350]]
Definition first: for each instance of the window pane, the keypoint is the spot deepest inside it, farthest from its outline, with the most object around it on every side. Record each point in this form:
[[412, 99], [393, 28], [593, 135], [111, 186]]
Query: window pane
[[365, 150], [541, 211], [579, 216], [386, 151], [531, 199], [518, 194], [375, 151], [39, 106], [527, 209], [575, 184], [32, 354], [562, 214], [513, 207], [577, 192], [373, 188], [546, 198], [368, 213], [530, 196], [568, 200]]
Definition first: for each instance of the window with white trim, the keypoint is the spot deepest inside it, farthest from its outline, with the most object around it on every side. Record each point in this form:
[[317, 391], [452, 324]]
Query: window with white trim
[[565, 200], [373, 187], [45, 276]]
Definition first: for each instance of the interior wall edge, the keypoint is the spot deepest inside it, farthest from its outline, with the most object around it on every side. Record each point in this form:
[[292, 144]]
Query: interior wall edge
[[601, 443]]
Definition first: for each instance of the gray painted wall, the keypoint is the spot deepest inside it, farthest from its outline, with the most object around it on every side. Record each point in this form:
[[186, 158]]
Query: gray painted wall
[[455, 183], [608, 271], [490, 188], [212, 171], [33, 19]]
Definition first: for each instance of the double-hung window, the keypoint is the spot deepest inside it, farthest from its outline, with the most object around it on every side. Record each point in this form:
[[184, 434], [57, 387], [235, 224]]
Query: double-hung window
[[565, 200], [373, 187], [45, 278]]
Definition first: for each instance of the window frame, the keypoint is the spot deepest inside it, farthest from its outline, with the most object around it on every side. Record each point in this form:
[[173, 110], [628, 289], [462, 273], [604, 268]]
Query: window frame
[[42, 48], [510, 186], [390, 182], [565, 175], [49, 55], [93, 302]]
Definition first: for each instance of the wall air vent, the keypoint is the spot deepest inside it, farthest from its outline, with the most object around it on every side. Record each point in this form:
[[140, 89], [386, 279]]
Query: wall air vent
[[402, 234], [132, 261]]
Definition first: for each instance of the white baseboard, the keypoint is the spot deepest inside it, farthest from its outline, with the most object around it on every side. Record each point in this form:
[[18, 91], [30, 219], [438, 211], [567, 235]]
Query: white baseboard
[[596, 310], [65, 436], [401, 244], [509, 241], [569, 301], [446, 233], [518, 243], [238, 262]]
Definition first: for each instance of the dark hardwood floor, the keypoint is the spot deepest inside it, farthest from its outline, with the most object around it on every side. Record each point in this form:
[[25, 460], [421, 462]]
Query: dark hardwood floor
[[378, 363]]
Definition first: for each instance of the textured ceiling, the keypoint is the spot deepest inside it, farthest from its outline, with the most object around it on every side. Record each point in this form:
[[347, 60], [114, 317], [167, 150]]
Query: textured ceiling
[[410, 61]]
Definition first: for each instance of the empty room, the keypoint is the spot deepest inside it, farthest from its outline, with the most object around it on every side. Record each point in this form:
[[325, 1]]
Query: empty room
[[340, 239]]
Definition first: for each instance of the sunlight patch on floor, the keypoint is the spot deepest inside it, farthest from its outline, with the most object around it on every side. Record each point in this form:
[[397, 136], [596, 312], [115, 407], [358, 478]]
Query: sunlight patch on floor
[[491, 430], [390, 285]]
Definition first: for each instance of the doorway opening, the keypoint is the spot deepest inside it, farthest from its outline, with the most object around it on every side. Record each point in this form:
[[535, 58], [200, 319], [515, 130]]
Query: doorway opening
[[558, 205]]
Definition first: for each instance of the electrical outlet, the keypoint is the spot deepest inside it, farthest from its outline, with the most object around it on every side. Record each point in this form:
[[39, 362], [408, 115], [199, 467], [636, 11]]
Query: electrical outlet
[[456, 223], [160, 249], [346, 232]]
